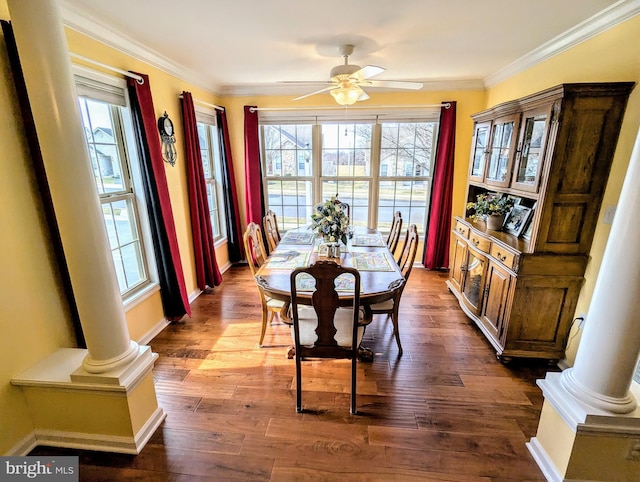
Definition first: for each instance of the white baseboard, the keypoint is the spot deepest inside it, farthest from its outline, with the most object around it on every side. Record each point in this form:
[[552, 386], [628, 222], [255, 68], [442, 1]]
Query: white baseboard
[[23, 447], [101, 443], [543, 460], [153, 332]]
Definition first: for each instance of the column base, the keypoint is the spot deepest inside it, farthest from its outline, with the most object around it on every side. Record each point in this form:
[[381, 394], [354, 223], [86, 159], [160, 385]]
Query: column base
[[577, 442], [116, 411]]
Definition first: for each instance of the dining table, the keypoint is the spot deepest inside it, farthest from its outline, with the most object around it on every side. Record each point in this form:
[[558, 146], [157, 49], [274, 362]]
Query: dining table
[[366, 250]]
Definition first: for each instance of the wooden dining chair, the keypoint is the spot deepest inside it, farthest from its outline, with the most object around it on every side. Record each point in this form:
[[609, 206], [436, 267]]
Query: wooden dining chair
[[256, 257], [271, 231], [391, 306], [394, 232], [324, 330]]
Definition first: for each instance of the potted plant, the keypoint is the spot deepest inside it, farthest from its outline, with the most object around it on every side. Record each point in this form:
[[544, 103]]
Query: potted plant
[[492, 208]]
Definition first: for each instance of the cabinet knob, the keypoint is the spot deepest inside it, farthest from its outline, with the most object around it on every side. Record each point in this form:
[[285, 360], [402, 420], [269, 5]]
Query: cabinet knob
[[476, 242], [463, 269], [500, 256]]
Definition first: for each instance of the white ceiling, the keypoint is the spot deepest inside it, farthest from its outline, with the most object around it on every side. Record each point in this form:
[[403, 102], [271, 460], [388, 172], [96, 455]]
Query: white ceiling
[[240, 47]]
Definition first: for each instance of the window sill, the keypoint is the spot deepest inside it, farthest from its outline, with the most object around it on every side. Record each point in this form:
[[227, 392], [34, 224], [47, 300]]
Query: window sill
[[220, 242], [135, 299]]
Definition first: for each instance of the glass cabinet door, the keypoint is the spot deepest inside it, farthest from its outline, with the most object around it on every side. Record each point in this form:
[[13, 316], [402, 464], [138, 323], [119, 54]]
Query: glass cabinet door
[[501, 151], [479, 151], [532, 145], [474, 280]]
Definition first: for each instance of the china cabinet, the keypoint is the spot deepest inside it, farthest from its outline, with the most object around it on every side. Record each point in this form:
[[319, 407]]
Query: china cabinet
[[552, 151]]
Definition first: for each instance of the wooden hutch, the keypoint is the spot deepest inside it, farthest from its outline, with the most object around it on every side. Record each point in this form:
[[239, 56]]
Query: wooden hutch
[[553, 152]]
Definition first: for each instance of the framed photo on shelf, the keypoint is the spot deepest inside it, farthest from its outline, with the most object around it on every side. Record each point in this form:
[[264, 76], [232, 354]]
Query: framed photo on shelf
[[517, 219], [526, 233]]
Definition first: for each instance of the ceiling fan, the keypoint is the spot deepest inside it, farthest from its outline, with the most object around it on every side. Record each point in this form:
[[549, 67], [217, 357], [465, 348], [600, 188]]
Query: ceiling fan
[[348, 79]]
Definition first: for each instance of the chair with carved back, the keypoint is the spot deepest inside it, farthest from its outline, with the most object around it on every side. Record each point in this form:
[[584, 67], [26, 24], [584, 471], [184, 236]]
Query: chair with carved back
[[394, 232], [325, 330], [271, 231], [392, 305], [256, 257]]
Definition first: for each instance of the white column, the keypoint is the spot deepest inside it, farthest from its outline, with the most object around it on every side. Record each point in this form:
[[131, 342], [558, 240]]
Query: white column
[[609, 348], [44, 55]]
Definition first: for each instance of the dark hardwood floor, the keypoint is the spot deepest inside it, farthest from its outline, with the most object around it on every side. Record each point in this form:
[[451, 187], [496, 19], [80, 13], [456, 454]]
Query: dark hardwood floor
[[446, 410]]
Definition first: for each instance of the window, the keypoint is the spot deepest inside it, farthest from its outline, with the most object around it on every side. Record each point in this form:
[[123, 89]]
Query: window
[[107, 125], [288, 167], [376, 166], [211, 160], [406, 151]]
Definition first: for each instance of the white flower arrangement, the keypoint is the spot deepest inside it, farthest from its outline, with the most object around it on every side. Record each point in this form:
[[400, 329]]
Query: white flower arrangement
[[330, 221]]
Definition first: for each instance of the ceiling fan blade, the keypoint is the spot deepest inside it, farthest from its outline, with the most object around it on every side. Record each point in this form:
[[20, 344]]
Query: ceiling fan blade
[[314, 93], [396, 84], [368, 71], [306, 82], [363, 96]]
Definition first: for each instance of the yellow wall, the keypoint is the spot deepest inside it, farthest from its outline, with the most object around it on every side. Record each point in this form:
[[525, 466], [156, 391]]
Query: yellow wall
[[610, 57], [33, 314], [468, 102], [34, 317], [165, 91]]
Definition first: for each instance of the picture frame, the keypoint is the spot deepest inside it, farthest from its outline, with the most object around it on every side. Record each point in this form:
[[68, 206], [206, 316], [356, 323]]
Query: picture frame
[[526, 233], [517, 219]]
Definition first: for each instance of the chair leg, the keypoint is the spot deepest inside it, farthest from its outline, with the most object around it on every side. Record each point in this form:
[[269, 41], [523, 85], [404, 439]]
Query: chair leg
[[264, 323], [298, 385], [396, 330], [353, 384]]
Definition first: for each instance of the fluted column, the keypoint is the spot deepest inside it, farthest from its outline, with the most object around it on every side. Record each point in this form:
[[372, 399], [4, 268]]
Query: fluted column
[[609, 347], [45, 62]]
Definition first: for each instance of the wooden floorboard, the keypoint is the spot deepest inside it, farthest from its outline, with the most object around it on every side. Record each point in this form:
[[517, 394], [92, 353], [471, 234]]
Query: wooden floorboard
[[447, 410]]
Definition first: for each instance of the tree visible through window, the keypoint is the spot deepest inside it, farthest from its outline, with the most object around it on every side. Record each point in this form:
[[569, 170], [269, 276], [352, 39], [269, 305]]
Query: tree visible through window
[[377, 168], [103, 131], [211, 159]]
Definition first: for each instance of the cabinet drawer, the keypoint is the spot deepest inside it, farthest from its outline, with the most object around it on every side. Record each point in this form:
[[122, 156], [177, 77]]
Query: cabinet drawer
[[480, 242], [506, 257], [462, 228]]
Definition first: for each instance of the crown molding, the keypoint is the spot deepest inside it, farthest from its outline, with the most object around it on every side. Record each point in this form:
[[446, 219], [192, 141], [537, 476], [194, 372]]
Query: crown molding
[[94, 29], [287, 88], [598, 23]]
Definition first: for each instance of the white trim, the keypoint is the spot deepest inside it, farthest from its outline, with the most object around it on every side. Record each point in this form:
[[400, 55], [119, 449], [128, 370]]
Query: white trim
[[194, 294], [153, 332], [103, 443], [139, 296], [605, 19], [117, 40], [23, 447], [545, 464]]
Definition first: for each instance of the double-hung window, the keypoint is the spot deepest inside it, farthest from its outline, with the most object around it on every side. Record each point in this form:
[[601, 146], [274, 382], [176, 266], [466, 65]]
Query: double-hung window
[[208, 136], [108, 132], [377, 164]]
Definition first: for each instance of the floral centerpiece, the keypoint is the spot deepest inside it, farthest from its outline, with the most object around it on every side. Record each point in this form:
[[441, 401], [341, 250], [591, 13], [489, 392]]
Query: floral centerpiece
[[488, 206], [330, 221]]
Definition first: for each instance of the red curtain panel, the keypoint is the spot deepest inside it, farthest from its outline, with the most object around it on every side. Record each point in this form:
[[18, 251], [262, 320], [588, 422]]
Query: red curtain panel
[[172, 286], [253, 176], [207, 271], [436, 247], [232, 212]]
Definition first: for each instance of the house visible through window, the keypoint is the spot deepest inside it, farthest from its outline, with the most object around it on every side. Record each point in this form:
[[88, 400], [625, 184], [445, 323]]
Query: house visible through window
[[211, 161], [107, 127], [376, 167]]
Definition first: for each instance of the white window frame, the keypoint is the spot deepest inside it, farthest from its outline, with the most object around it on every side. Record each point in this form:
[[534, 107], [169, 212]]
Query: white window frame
[[214, 180], [113, 90], [374, 177]]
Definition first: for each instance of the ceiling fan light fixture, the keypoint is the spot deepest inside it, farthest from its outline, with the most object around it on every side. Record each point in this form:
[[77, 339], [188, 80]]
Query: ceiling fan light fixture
[[347, 95]]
